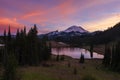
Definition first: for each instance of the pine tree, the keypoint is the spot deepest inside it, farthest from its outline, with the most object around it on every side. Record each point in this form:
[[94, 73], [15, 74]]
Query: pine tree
[[107, 56], [81, 58], [33, 46], [62, 57], [28, 48], [5, 36], [117, 63], [10, 62], [57, 57], [91, 50], [113, 59], [9, 33], [10, 67], [17, 46], [75, 71], [9, 41], [5, 47], [24, 30]]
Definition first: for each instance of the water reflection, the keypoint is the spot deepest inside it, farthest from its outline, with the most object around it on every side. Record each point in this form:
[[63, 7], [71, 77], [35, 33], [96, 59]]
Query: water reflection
[[75, 52], [2, 45]]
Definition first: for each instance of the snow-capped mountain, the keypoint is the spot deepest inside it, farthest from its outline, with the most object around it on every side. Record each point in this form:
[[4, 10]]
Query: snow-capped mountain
[[68, 33], [75, 29], [71, 31]]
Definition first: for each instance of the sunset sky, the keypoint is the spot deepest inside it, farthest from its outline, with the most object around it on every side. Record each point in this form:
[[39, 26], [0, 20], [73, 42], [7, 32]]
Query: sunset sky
[[51, 15]]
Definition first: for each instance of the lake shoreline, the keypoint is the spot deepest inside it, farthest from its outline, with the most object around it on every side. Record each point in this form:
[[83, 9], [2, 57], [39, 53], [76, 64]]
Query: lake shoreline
[[75, 52], [77, 58], [97, 48]]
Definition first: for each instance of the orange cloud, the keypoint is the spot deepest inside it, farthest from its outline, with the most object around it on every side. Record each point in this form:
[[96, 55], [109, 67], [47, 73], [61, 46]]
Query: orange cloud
[[56, 14], [5, 22], [60, 14], [103, 23]]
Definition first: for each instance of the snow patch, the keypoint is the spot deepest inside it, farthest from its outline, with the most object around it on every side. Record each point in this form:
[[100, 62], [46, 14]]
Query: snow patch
[[75, 29]]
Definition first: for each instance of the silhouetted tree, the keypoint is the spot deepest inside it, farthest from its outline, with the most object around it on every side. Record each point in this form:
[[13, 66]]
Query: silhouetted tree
[[58, 57], [62, 57], [107, 56], [10, 67], [91, 50], [75, 71], [27, 48], [81, 58], [69, 64], [9, 34], [24, 49], [113, 58]]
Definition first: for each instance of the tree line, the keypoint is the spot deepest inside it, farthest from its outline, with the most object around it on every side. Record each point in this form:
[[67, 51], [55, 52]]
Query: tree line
[[112, 56], [25, 49]]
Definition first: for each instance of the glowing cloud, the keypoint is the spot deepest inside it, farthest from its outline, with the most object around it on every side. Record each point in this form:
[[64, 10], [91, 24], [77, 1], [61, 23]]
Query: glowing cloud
[[5, 22], [103, 23], [51, 15]]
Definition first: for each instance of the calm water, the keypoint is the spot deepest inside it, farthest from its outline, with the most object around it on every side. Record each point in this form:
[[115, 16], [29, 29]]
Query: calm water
[[75, 53], [1, 44]]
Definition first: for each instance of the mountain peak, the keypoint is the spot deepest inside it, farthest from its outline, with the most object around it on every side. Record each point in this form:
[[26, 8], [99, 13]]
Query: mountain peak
[[75, 29]]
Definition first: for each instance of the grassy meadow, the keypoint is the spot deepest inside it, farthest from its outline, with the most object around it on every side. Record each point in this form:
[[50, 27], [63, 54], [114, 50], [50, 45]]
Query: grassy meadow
[[90, 70]]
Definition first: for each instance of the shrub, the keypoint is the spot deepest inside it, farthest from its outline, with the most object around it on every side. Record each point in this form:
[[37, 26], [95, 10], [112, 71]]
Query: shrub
[[88, 77], [82, 60], [75, 71], [62, 57], [69, 64], [57, 58]]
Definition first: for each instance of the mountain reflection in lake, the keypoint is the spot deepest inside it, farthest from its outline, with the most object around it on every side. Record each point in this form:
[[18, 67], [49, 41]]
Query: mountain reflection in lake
[[75, 53]]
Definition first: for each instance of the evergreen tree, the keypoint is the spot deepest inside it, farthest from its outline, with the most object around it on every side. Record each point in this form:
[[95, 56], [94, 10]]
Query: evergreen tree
[[24, 31], [33, 46], [5, 36], [9, 42], [117, 57], [5, 47], [25, 49], [10, 61], [57, 57], [112, 56], [107, 56], [91, 50], [113, 59], [10, 67], [28, 48], [69, 64], [75, 71], [62, 57], [81, 58], [9, 34], [46, 51], [17, 46]]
